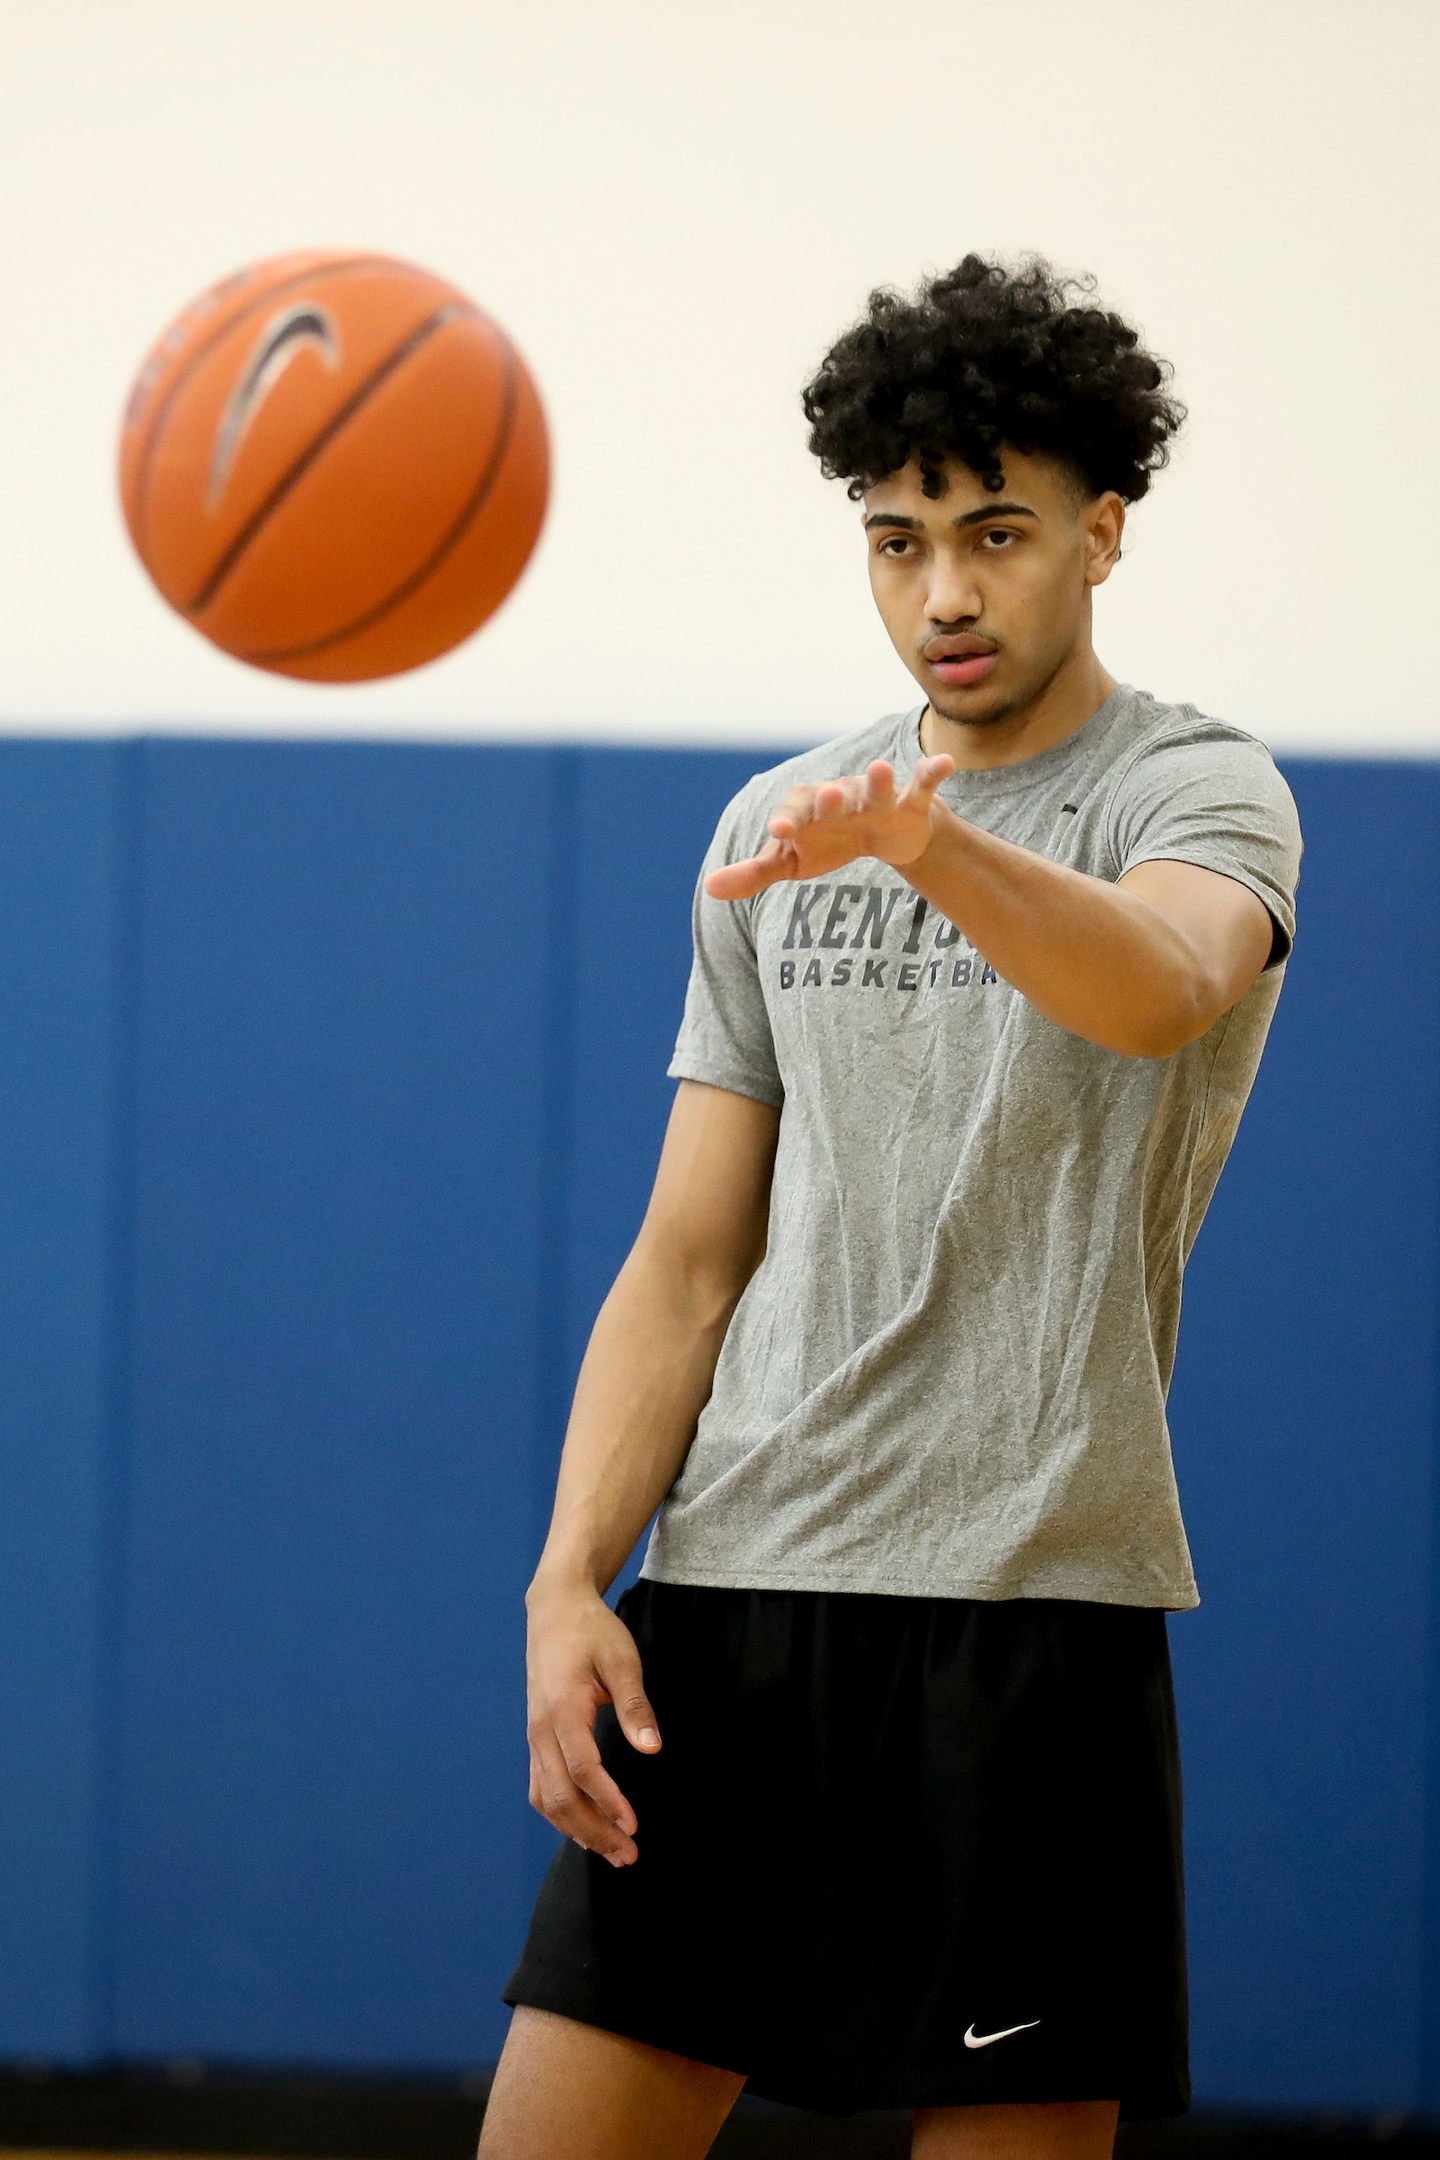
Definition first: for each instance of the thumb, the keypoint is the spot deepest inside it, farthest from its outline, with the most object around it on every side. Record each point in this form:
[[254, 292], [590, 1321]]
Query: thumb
[[928, 775], [737, 881], [624, 1683]]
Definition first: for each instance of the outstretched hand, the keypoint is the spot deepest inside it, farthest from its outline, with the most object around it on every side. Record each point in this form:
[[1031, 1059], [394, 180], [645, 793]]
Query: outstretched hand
[[820, 828]]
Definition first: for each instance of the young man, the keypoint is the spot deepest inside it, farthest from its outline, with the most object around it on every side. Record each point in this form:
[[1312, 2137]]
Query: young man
[[871, 1787]]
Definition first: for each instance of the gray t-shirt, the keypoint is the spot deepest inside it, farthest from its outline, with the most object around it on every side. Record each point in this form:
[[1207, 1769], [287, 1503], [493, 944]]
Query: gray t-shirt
[[948, 1375]]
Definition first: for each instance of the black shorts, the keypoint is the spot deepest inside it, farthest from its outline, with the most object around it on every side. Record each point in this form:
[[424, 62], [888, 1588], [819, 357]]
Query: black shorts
[[895, 1852]]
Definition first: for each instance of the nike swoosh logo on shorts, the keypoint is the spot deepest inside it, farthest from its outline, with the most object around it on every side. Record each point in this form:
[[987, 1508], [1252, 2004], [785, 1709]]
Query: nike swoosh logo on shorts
[[974, 2039]]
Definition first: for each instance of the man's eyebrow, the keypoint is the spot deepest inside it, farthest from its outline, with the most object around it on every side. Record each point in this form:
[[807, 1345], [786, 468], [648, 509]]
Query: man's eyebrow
[[992, 510], [971, 517]]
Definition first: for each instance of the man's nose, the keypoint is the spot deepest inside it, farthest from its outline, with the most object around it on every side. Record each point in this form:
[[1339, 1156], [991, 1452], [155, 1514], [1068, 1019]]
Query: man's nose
[[953, 600]]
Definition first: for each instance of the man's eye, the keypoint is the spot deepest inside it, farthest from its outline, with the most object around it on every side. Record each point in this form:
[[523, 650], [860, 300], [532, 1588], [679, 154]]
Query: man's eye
[[999, 538]]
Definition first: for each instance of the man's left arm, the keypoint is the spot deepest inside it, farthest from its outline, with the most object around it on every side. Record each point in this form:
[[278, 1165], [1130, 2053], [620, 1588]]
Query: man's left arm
[[1141, 967]]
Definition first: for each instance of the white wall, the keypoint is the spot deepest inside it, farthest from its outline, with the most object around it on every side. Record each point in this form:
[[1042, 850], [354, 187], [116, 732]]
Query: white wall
[[673, 207]]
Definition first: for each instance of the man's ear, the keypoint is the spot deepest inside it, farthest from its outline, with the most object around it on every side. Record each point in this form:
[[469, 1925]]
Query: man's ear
[[1104, 521]]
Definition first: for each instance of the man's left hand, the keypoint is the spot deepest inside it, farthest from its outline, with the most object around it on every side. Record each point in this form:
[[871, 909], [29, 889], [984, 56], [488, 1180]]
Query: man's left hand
[[817, 829]]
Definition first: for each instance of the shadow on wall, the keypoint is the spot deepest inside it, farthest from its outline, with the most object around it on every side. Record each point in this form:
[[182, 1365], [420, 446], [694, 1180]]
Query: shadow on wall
[[331, 1090]]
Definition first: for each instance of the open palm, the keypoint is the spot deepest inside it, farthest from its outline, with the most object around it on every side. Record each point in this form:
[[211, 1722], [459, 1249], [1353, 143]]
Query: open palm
[[820, 828]]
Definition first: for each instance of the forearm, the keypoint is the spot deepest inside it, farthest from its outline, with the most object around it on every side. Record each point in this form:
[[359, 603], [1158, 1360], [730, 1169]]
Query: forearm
[[1089, 955], [645, 1379]]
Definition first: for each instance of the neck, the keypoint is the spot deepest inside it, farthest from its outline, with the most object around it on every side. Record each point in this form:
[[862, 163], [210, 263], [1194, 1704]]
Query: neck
[[1078, 688]]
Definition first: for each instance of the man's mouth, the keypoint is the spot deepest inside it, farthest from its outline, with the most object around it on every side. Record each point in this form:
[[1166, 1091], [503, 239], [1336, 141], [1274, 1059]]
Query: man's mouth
[[961, 660]]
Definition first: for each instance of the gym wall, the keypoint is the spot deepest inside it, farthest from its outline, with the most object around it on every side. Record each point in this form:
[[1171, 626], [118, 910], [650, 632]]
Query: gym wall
[[674, 209], [331, 1086]]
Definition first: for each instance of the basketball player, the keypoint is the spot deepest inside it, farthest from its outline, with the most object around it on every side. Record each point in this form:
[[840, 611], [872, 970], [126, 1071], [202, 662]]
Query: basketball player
[[871, 1789]]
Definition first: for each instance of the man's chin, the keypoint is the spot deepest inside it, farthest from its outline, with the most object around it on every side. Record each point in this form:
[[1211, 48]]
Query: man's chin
[[973, 712]]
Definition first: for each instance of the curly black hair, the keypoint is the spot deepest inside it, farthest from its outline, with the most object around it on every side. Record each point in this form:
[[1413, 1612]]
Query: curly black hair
[[984, 356]]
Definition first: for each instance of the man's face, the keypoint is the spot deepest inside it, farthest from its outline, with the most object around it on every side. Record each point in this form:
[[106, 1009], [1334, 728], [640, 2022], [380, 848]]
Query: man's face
[[986, 596]]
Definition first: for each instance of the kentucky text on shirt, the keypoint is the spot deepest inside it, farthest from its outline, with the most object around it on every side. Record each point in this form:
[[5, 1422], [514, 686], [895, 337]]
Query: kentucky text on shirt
[[831, 928]]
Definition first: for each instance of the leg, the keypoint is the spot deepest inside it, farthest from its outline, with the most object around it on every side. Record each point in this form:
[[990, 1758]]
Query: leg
[[1049, 2130], [572, 2089]]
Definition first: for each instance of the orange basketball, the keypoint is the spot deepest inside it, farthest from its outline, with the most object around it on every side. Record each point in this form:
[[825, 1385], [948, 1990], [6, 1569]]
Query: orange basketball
[[334, 466]]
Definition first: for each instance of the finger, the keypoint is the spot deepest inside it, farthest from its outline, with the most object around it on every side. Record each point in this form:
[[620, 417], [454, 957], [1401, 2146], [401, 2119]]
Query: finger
[[582, 1760], [879, 785], [927, 776], [569, 1811], [799, 809], [625, 1685], [605, 1796], [586, 1827], [776, 861], [833, 800], [557, 1768], [554, 1794]]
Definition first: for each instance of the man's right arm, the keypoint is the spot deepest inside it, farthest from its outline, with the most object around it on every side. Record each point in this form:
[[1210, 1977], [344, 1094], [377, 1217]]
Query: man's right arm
[[646, 1377]]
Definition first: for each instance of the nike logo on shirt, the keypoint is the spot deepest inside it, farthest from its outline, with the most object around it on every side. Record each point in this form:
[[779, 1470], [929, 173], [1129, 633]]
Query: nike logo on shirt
[[974, 2039]]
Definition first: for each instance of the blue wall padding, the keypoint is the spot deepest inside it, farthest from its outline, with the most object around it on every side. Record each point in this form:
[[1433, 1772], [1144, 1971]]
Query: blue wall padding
[[62, 829], [340, 1299], [333, 1083], [643, 821], [1304, 1415]]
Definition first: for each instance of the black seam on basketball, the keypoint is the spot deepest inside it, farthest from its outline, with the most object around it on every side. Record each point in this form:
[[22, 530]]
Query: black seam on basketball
[[222, 330], [342, 414], [443, 547]]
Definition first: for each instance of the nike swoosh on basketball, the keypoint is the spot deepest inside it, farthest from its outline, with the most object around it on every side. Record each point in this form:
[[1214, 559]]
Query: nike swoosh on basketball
[[287, 334], [974, 2039]]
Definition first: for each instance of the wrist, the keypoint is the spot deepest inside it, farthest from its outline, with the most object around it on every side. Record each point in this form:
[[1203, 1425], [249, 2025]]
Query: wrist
[[944, 829], [560, 1579]]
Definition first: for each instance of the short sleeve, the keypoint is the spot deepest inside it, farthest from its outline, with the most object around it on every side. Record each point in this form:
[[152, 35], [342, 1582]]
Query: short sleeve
[[725, 1037], [1211, 796]]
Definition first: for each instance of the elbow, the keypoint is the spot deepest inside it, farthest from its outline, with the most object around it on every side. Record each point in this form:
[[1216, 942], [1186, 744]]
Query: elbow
[[701, 1283], [1156, 1042], [1171, 1022]]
